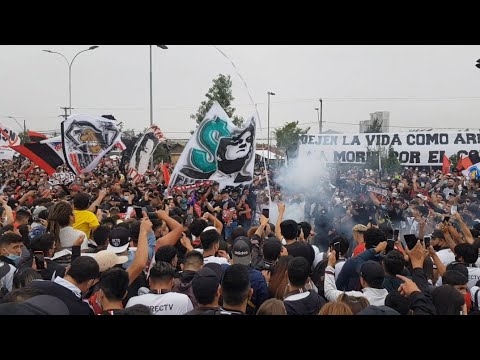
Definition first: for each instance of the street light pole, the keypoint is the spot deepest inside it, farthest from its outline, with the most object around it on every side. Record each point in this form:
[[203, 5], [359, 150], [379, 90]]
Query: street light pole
[[318, 115], [321, 114], [164, 47], [24, 125], [268, 126], [70, 63]]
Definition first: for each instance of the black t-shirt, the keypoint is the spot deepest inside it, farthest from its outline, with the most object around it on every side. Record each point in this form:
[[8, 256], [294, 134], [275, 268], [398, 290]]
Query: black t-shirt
[[309, 305]]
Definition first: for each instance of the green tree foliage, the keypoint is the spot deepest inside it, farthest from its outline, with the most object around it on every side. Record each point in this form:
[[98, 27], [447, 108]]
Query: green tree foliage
[[454, 161], [391, 162], [221, 91], [288, 135], [375, 127]]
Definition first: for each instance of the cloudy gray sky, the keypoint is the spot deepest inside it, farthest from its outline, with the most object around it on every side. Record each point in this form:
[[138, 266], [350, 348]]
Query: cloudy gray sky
[[421, 86]]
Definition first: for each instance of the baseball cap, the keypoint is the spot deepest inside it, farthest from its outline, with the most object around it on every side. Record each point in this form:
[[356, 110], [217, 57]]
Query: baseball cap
[[438, 234], [209, 228], [204, 285], [372, 272], [107, 259], [241, 253], [119, 240], [38, 210]]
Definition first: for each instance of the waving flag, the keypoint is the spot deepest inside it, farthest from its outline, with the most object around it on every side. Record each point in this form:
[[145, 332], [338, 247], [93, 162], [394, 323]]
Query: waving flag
[[217, 151], [143, 151], [47, 154], [8, 137], [446, 165], [86, 139], [36, 137]]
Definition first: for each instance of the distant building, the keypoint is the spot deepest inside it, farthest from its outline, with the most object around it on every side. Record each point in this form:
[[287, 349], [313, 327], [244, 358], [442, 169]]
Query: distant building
[[381, 116], [176, 150]]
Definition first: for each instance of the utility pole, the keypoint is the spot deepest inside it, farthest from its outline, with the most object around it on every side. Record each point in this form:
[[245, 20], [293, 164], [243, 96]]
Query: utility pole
[[321, 114], [66, 112]]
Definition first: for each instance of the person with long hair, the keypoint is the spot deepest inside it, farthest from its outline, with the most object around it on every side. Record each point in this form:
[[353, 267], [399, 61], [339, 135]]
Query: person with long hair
[[278, 279], [60, 221]]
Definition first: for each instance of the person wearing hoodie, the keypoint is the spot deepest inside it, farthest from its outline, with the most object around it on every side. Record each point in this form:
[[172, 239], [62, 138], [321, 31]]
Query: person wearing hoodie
[[183, 284]]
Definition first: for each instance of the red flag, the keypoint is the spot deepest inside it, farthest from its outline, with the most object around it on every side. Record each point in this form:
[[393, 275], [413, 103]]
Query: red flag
[[464, 163], [446, 165], [166, 174], [36, 137]]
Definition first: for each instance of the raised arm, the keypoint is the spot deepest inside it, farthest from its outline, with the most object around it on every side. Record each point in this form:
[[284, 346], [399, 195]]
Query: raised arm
[[467, 235], [281, 211], [217, 223], [175, 233], [141, 255], [374, 199], [8, 211], [101, 195]]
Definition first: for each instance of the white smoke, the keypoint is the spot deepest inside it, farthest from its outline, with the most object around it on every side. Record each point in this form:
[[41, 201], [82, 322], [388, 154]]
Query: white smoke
[[293, 211], [303, 178]]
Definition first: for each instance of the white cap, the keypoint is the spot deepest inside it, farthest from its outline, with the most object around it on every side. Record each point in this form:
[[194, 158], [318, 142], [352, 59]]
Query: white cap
[[209, 228]]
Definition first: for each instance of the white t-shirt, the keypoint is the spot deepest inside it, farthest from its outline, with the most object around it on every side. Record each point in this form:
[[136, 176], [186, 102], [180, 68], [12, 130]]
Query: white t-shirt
[[171, 303], [446, 256], [473, 277], [68, 235], [214, 259]]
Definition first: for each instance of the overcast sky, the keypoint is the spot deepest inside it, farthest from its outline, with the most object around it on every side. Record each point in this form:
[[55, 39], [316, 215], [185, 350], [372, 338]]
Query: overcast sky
[[421, 86]]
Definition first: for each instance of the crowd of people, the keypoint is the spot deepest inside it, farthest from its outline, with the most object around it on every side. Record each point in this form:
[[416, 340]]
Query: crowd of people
[[369, 244]]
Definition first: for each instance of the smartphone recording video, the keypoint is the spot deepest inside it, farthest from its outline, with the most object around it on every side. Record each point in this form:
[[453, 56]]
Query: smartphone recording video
[[410, 240], [390, 245], [138, 212], [426, 241], [266, 213], [39, 260]]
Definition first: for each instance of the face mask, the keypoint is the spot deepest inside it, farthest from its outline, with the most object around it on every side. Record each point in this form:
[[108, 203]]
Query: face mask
[[12, 257], [383, 207]]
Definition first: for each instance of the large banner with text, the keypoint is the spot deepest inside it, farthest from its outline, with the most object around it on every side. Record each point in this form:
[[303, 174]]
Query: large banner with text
[[415, 148]]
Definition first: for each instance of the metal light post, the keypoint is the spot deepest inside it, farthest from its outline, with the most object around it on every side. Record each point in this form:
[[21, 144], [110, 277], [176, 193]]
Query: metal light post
[[268, 126], [318, 115], [164, 47], [70, 71], [24, 127], [321, 114]]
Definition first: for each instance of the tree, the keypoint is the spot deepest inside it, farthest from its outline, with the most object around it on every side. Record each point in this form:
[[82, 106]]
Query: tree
[[288, 135], [392, 164], [162, 153], [221, 91], [453, 160], [372, 162], [23, 137], [375, 127]]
